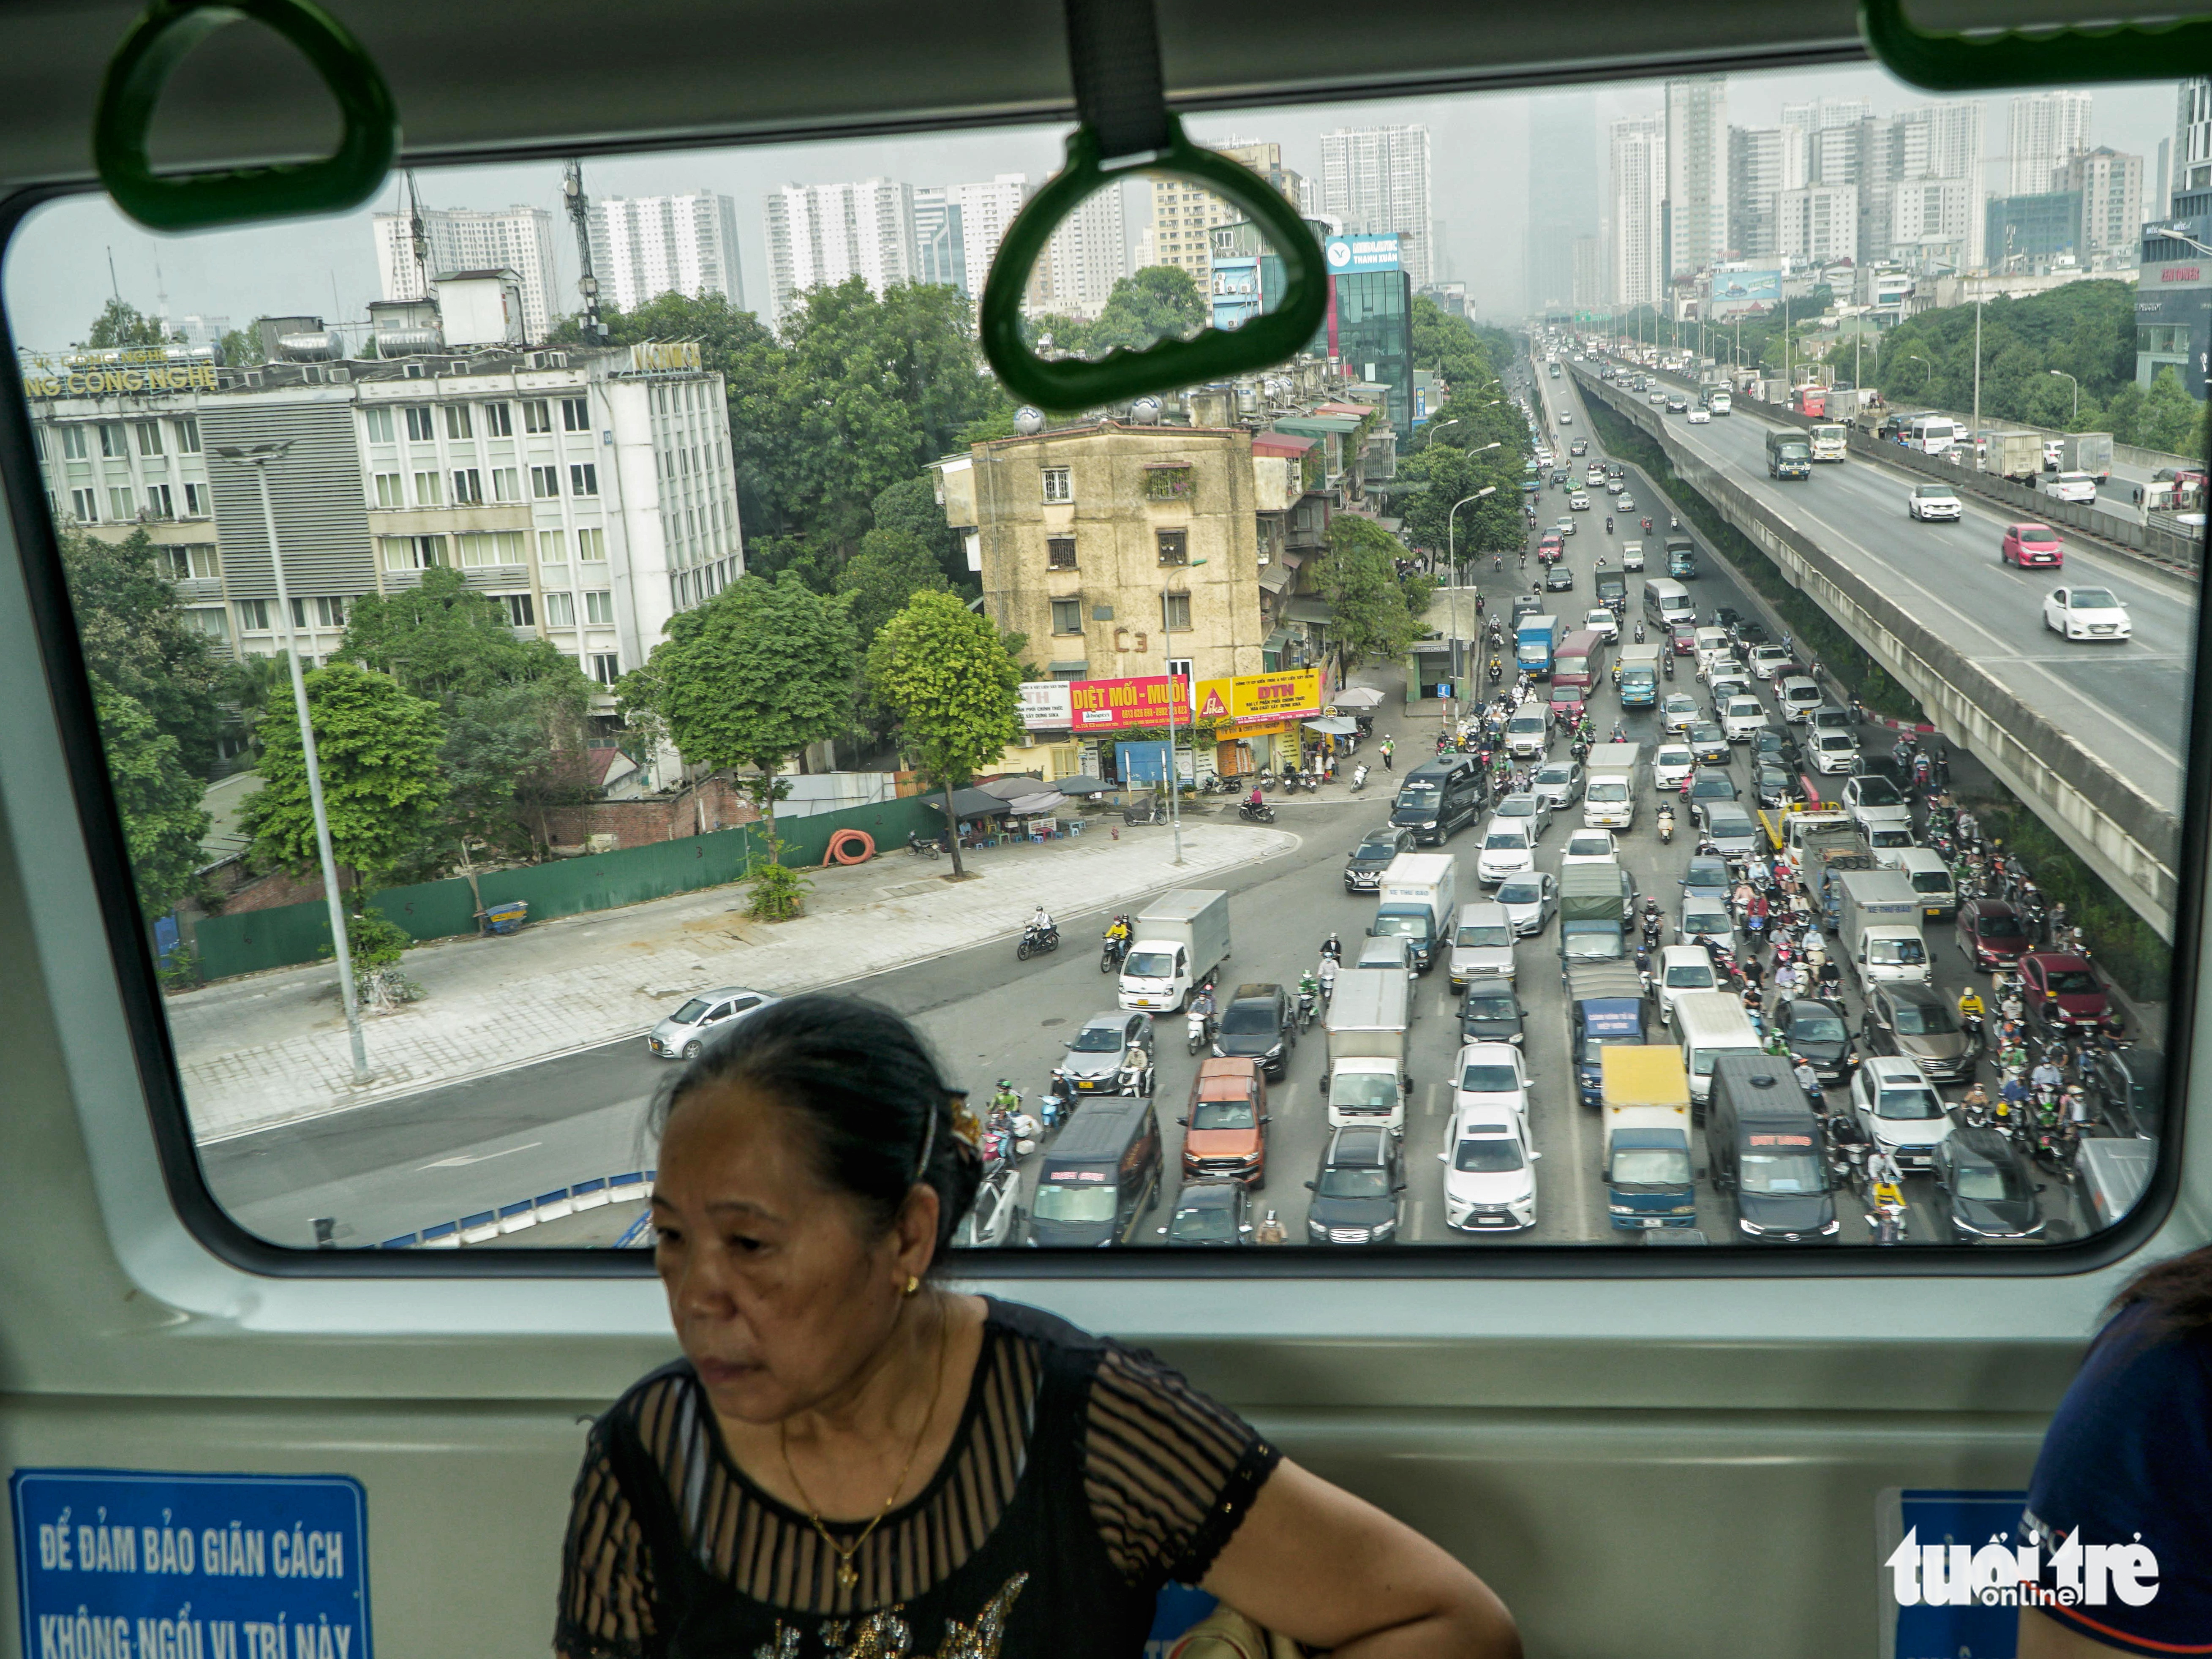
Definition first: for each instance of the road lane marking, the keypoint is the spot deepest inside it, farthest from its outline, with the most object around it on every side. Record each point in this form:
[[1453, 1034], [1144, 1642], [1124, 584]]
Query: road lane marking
[[1420, 1209], [1429, 1109], [462, 1159]]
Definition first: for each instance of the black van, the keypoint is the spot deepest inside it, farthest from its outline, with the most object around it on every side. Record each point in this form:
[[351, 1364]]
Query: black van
[[1765, 1142], [1099, 1177], [1441, 796]]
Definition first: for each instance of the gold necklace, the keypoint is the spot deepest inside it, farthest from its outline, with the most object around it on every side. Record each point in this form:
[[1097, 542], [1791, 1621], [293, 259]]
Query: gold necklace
[[848, 1576]]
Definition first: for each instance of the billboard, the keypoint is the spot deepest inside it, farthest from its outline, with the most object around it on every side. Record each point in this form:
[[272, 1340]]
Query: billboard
[[1253, 700], [1114, 705], [1236, 296], [1744, 290], [1046, 706], [1351, 253]]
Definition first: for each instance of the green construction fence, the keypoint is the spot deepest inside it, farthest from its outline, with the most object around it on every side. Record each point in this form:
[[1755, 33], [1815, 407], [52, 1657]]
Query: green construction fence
[[288, 935]]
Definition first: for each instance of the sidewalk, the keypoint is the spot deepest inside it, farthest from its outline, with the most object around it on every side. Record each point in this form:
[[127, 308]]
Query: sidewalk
[[272, 1049]]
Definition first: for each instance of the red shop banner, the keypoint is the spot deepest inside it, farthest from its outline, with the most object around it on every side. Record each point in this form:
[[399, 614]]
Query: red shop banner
[[1112, 705]]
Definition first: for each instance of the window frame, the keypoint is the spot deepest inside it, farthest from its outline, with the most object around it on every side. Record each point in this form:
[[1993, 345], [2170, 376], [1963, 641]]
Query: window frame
[[140, 1085]]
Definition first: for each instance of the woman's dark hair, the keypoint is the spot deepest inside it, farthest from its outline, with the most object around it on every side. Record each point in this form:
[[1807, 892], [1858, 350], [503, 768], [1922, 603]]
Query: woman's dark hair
[[878, 1114], [2176, 1293]]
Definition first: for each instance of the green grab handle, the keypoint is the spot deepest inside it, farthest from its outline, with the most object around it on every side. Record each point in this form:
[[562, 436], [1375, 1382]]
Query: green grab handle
[[1216, 354], [1966, 63], [150, 54]]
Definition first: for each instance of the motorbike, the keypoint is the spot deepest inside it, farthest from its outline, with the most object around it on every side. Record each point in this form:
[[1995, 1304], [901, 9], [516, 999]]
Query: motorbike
[[1608, 523], [1667, 664], [1036, 942], [1197, 1030], [1308, 1001], [1262, 813], [1265, 779], [1111, 955], [1647, 527], [924, 847], [1051, 1104], [1359, 778], [1666, 824]]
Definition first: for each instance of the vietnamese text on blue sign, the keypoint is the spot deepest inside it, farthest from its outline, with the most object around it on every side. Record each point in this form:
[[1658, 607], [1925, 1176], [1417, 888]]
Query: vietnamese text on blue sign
[[1350, 254]]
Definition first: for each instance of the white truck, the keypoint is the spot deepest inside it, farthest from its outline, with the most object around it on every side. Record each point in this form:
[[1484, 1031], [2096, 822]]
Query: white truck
[[2017, 456], [1178, 939], [1364, 1049], [1419, 896], [1609, 795], [1878, 924]]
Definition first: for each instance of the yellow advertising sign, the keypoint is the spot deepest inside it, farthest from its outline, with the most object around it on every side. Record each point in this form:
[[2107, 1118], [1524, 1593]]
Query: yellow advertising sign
[[1292, 694], [664, 357], [102, 382]]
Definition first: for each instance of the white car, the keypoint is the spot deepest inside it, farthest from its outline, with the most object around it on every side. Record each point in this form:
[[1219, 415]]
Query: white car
[[1508, 848], [1566, 418], [1703, 916], [1682, 968], [2071, 487], [1599, 620], [1527, 807], [683, 1033], [1900, 1109], [1490, 1078], [1529, 900], [1799, 697], [1741, 717], [1679, 712], [2086, 613], [1767, 660], [1931, 501], [1632, 553], [1873, 799], [1834, 752], [1529, 733], [1590, 847], [995, 1216], [1578, 502], [1672, 763], [1699, 414], [1627, 502], [1490, 1174]]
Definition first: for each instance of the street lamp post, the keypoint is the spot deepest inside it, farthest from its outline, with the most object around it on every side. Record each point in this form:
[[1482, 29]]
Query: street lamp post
[[1174, 777], [2076, 385], [1451, 558], [257, 456], [1977, 439]]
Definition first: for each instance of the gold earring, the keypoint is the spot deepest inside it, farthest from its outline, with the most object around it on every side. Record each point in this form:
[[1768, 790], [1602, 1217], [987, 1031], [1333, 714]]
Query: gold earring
[[912, 1284]]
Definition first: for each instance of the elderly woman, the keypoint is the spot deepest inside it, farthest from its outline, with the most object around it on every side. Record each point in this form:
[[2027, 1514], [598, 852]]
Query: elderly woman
[[850, 1461]]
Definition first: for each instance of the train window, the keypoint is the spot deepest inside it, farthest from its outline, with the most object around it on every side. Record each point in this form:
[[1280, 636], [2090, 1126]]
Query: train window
[[1874, 357]]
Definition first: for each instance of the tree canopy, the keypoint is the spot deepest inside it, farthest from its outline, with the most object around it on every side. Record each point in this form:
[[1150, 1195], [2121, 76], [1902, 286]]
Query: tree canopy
[[136, 640], [511, 753], [1159, 302], [1370, 612], [377, 748], [891, 567], [122, 324], [442, 640], [163, 821]]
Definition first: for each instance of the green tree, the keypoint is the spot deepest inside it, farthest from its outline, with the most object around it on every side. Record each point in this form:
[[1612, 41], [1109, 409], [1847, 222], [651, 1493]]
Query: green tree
[[1369, 615], [136, 639], [910, 507], [891, 567], [122, 324], [752, 676], [163, 822], [1446, 475], [378, 747], [953, 683], [240, 346], [2171, 419], [512, 753], [1160, 302], [250, 684], [442, 640]]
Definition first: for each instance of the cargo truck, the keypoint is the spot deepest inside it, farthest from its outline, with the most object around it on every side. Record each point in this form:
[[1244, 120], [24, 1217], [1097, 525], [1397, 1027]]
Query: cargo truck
[[1419, 894], [1639, 675], [1178, 939], [2086, 452], [1609, 795], [1534, 640], [1765, 1144], [1830, 441], [1878, 924], [1592, 909], [1364, 1049], [2018, 456], [1788, 454], [1605, 1007], [1648, 1178], [1612, 589], [1794, 833]]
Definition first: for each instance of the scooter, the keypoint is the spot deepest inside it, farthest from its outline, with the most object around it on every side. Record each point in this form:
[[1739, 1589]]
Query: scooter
[[923, 846], [1036, 942], [1197, 1030], [1359, 778], [1110, 955], [1666, 824], [1262, 813]]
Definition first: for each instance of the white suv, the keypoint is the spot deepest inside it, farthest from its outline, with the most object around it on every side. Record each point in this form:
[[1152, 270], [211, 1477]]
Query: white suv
[[1682, 968], [1490, 1174], [1932, 501], [1742, 716]]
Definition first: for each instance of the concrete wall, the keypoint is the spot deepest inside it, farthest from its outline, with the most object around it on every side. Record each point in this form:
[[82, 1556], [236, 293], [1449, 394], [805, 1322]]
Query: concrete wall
[[2132, 842]]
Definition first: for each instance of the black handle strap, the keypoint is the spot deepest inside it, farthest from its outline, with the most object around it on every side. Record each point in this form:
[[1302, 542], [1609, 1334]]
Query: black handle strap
[[1113, 56]]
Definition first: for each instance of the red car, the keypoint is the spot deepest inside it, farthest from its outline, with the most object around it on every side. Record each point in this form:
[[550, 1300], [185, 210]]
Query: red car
[[1989, 933], [2063, 992], [2031, 543], [1683, 637]]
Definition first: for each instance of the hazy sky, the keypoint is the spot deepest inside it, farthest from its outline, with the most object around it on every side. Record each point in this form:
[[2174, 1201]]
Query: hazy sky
[[56, 276]]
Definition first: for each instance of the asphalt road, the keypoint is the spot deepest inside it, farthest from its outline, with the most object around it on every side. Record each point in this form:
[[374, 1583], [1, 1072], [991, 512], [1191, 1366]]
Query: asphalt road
[[2129, 701], [389, 1168]]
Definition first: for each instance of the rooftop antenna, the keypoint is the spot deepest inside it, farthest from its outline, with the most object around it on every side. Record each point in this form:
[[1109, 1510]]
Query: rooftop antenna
[[113, 287], [572, 185], [420, 237], [161, 301]]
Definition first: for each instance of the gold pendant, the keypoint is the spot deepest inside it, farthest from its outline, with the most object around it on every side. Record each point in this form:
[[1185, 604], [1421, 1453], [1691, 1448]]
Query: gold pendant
[[848, 1575]]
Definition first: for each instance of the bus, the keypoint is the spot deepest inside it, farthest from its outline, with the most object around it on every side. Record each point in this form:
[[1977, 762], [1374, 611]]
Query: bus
[[1830, 442], [1931, 434], [1576, 667]]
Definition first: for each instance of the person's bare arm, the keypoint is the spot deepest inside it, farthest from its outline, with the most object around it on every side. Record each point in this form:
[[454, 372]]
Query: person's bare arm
[[1331, 1570], [2042, 1637]]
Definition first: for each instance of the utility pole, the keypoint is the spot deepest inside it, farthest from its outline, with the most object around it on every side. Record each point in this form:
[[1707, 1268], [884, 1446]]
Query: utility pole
[[1976, 440], [571, 186], [257, 456], [1174, 777]]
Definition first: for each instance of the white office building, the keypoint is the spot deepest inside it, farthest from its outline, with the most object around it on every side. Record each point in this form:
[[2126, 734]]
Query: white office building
[[1697, 173], [986, 209], [940, 244], [590, 492], [1086, 256], [1377, 181], [1931, 220], [2043, 130], [519, 239], [2111, 183], [1636, 208], [818, 235], [2192, 141], [643, 246], [1818, 224], [1763, 161]]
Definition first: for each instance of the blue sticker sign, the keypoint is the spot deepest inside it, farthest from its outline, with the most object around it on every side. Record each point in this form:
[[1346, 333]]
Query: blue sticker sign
[[1909, 1522], [118, 1564]]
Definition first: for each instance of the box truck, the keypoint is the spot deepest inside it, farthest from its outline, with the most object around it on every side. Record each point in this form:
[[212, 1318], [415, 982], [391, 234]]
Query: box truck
[[1649, 1179], [1419, 894], [1178, 939], [1364, 1049], [1609, 795], [1878, 923]]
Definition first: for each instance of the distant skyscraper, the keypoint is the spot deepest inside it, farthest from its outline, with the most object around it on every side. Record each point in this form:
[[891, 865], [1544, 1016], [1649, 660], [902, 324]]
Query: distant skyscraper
[[1087, 255], [1589, 273], [1822, 114], [2043, 129], [986, 211], [1563, 196], [645, 246], [1819, 224], [2161, 198], [820, 234], [2111, 185], [517, 238], [1183, 213], [940, 255], [1763, 161], [1696, 171], [2193, 140], [1375, 179], [1638, 194]]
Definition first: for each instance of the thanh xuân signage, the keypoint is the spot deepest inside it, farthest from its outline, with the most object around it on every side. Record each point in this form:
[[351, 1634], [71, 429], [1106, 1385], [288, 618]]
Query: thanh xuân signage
[[1347, 254]]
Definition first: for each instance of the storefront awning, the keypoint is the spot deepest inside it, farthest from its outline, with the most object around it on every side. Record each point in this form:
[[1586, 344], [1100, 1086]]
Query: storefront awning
[[1307, 609]]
